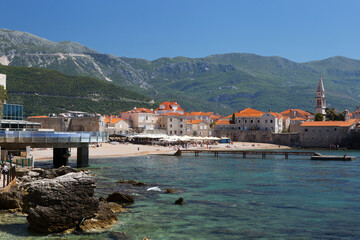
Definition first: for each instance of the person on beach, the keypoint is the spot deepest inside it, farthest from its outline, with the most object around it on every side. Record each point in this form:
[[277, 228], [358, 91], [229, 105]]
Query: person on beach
[[138, 149]]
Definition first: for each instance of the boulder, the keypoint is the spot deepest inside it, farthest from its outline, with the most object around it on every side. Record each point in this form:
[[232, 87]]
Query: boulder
[[169, 190], [118, 236], [120, 198], [58, 204], [11, 199], [134, 183], [102, 220], [116, 208]]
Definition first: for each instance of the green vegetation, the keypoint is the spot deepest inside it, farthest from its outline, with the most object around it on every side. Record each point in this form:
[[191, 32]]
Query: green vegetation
[[44, 91], [333, 115], [319, 117]]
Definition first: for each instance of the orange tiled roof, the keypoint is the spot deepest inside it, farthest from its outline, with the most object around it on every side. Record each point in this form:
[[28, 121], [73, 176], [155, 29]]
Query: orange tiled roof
[[298, 119], [38, 117], [215, 116], [201, 113], [248, 112], [140, 110], [193, 121], [173, 114], [330, 123], [222, 121], [305, 114], [112, 120], [168, 106]]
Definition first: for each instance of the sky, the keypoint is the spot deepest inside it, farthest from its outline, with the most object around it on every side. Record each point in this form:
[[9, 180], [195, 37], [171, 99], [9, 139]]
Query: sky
[[299, 30]]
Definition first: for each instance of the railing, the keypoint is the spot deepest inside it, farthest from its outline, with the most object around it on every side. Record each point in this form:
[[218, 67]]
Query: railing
[[52, 137], [20, 162], [6, 178]]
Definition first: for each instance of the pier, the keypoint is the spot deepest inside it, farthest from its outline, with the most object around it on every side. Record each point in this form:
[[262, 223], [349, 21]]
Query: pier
[[264, 153]]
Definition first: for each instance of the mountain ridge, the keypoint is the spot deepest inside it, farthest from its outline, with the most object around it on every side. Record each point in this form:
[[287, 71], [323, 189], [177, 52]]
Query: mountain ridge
[[220, 82]]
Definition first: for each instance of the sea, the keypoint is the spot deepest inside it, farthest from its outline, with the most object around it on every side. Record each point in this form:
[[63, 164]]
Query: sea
[[225, 197]]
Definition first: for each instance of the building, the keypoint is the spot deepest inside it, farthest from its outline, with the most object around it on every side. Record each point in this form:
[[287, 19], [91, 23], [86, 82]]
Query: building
[[293, 118], [169, 107], [320, 98], [141, 119], [65, 123], [116, 125], [271, 121], [198, 127], [325, 133], [200, 116], [173, 123]]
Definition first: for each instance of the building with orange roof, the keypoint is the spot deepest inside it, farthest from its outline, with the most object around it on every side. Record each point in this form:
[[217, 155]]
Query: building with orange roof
[[297, 117], [168, 107], [198, 127], [173, 123], [206, 116], [115, 125], [326, 133], [141, 119], [272, 121]]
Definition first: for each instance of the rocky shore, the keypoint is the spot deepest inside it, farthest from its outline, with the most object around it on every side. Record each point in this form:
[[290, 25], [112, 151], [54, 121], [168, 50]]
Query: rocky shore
[[62, 200]]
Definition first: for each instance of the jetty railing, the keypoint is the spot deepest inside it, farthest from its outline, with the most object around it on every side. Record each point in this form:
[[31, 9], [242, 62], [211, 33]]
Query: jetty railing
[[7, 178]]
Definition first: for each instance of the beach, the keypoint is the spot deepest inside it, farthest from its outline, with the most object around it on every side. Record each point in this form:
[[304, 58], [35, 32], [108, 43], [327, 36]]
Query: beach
[[127, 150]]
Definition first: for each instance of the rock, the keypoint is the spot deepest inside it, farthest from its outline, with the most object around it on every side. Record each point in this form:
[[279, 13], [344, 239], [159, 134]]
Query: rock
[[116, 208], [33, 174], [169, 190], [11, 199], [120, 198], [55, 205], [118, 236], [101, 199], [103, 219], [134, 183], [180, 201]]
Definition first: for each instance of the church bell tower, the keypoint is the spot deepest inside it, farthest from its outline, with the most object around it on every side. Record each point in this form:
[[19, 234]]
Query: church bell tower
[[320, 98]]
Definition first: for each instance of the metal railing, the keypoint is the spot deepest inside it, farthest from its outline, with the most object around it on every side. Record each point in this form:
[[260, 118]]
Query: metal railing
[[52, 137]]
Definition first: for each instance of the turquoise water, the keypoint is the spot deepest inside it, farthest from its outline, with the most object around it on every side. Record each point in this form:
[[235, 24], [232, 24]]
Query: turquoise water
[[227, 197]]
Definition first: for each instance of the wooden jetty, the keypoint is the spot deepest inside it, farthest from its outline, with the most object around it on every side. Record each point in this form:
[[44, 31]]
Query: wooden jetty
[[264, 153]]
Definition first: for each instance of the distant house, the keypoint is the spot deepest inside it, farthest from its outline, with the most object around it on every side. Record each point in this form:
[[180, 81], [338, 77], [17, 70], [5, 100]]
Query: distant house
[[326, 133], [116, 125], [141, 118], [271, 121], [169, 107], [174, 123], [296, 118], [198, 127], [200, 116]]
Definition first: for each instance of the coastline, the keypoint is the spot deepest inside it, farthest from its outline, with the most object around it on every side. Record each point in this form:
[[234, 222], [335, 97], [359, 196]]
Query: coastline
[[108, 150]]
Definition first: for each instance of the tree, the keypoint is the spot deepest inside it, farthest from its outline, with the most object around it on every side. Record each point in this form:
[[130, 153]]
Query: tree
[[319, 117], [233, 118]]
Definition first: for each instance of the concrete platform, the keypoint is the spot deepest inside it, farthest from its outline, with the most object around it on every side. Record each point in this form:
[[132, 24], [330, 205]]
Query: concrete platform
[[333, 158]]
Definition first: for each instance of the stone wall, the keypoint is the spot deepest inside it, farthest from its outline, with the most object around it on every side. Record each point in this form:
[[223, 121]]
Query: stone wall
[[288, 139]]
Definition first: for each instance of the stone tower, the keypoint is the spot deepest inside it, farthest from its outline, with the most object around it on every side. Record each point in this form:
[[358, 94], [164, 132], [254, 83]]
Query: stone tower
[[320, 98]]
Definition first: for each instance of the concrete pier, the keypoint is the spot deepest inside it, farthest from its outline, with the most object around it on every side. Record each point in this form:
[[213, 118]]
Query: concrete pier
[[60, 157], [83, 156]]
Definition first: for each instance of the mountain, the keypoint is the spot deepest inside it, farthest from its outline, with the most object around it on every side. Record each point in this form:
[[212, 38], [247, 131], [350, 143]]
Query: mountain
[[44, 91], [222, 83]]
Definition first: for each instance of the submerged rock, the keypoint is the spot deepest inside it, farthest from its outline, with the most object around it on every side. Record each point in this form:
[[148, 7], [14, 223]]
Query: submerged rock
[[103, 219], [169, 190], [118, 236], [55, 205], [120, 198], [180, 201], [134, 183]]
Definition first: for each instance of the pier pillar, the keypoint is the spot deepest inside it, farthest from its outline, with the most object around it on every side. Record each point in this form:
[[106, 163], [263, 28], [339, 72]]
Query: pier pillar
[[244, 154], [60, 157], [286, 156], [82, 157], [263, 155]]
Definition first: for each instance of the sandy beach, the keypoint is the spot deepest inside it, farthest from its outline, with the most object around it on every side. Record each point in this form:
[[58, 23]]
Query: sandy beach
[[126, 150]]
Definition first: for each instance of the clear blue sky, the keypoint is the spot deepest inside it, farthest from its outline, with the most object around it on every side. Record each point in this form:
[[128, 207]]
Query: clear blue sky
[[300, 30]]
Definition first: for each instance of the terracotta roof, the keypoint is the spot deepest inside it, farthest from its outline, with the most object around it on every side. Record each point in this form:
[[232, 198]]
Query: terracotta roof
[[140, 110], [248, 112], [168, 106], [275, 114], [112, 120], [201, 113], [222, 121], [38, 117], [193, 121], [305, 114], [330, 123], [215, 116], [173, 114], [298, 119]]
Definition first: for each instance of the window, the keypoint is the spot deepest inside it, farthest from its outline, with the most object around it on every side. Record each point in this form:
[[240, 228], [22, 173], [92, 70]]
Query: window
[[170, 132], [180, 119], [271, 121], [239, 128], [258, 121], [181, 132], [175, 132], [204, 127], [335, 129], [305, 130], [245, 121], [239, 121], [200, 127], [251, 121], [147, 118], [170, 119], [209, 133], [181, 126], [200, 133], [265, 121], [170, 125]]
